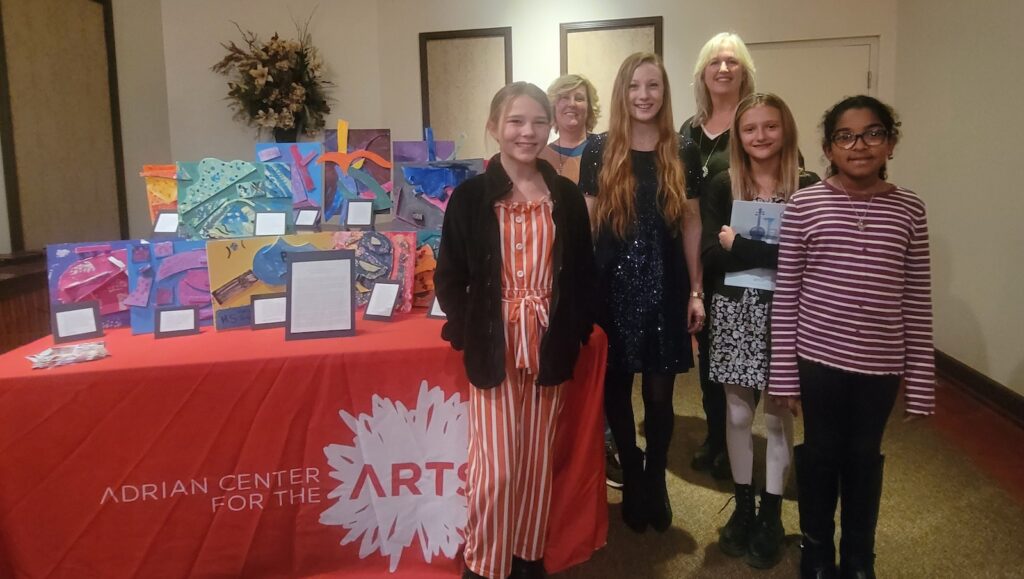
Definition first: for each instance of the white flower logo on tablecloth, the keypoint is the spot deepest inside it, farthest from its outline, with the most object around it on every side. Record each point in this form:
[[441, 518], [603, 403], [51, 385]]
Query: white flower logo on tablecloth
[[403, 477]]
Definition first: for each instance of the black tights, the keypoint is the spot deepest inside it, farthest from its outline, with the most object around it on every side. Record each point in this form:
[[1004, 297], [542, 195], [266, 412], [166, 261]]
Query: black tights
[[659, 417]]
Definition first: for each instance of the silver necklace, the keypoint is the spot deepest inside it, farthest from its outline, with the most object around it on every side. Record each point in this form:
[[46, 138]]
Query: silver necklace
[[714, 146], [860, 217]]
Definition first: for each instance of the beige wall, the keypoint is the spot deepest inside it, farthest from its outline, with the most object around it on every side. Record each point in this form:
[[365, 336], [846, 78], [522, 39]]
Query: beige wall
[[201, 124], [959, 92], [142, 87], [5, 224], [687, 25]]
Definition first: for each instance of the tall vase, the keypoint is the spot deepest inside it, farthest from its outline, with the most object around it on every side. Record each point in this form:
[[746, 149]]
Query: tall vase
[[286, 135]]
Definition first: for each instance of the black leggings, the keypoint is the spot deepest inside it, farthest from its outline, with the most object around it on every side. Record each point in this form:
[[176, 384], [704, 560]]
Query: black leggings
[[845, 413], [659, 416]]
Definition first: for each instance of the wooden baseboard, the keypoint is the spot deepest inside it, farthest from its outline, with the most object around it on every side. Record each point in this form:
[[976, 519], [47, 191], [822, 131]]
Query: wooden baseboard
[[989, 392]]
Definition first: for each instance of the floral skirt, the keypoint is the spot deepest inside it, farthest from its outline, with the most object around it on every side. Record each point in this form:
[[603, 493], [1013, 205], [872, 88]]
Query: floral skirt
[[739, 339]]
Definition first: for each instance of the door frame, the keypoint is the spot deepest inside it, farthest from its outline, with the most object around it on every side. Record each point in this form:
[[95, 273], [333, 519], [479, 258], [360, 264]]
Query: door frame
[[7, 134]]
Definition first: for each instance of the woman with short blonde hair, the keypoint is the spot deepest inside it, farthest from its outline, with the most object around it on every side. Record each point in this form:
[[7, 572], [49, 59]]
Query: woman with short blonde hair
[[574, 101]]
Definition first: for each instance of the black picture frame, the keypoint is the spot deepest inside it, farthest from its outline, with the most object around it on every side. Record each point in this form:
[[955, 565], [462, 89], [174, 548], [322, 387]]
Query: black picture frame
[[567, 28], [394, 303], [268, 297], [359, 226], [57, 309], [166, 234], [346, 259], [159, 332], [315, 226]]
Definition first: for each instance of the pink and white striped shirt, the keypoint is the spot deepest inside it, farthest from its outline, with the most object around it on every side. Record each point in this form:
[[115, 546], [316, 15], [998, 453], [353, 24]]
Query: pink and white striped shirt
[[857, 300]]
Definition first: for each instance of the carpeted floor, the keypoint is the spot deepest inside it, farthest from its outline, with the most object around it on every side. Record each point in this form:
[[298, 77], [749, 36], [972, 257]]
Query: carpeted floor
[[941, 516]]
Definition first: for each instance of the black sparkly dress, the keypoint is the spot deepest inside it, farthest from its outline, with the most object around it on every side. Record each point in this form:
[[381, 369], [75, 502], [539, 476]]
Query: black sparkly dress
[[643, 283]]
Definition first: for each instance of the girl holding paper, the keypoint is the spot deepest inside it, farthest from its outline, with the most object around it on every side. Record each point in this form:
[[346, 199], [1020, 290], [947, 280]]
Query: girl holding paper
[[763, 167], [513, 274], [649, 280], [851, 320]]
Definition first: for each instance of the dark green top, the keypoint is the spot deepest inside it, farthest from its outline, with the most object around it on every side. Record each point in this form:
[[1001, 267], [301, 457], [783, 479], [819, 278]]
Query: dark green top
[[717, 148]]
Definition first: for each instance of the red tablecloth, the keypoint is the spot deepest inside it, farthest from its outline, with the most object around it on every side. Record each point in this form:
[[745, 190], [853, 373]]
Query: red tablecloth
[[240, 454]]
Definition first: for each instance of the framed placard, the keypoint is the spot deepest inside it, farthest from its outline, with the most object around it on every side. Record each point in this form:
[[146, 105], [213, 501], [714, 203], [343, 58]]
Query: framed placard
[[435, 310], [70, 322], [382, 302], [596, 48], [176, 321], [307, 219], [359, 214], [271, 223], [269, 311], [460, 70], [165, 225], [321, 295]]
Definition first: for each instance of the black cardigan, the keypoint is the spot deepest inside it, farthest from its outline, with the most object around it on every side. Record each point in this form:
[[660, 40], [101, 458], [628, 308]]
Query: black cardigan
[[468, 277]]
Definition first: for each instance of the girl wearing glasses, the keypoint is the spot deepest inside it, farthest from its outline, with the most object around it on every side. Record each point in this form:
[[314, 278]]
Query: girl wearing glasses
[[764, 166], [851, 318]]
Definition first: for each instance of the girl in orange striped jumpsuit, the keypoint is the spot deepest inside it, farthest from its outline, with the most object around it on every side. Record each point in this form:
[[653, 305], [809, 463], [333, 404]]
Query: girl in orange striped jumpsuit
[[513, 273]]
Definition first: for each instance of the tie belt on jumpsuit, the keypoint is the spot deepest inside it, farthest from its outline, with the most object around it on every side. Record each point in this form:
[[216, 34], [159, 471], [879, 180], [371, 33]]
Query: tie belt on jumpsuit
[[528, 314]]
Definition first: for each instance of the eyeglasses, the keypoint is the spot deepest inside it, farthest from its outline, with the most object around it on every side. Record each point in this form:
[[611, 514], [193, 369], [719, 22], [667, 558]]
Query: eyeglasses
[[871, 138]]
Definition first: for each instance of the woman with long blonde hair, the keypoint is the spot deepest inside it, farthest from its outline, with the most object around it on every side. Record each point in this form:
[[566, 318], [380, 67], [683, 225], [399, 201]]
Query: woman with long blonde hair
[[649, 285], [722, 76]]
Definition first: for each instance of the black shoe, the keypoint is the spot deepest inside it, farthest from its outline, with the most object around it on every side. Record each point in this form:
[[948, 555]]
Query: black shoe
[[857, 568], [467, 574], [703, 457], [765, 548], [720, 467], [634, 492], [612, 468], [735, 535], [659, 510]]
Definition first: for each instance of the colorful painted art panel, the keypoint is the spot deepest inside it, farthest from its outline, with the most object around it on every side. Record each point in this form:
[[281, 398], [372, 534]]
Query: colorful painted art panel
[[382, 256], [167, 274], [306, 171], [418, 151], [220, 199], [422, 190], [428, 244], [161, 188], [357, 166], [83, 272], [243, 268]]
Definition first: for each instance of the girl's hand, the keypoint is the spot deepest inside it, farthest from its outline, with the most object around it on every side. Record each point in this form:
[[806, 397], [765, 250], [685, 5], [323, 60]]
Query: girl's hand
[[695, 315], [792, 403], [726, 237]]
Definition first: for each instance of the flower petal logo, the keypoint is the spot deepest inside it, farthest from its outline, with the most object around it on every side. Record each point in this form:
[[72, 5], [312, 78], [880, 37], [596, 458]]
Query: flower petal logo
[[403, 477]]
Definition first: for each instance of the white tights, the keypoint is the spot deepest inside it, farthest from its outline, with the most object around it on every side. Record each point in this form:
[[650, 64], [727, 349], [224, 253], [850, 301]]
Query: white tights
[[739, 438]]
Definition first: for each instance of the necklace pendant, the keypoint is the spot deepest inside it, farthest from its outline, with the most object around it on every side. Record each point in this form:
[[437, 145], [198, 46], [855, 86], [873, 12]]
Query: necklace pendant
[[860, 225], [704, 171]]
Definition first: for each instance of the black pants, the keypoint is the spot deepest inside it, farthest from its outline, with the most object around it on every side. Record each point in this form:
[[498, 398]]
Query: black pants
[[844, 420], [712, 394], [659, 417], [844, 413]]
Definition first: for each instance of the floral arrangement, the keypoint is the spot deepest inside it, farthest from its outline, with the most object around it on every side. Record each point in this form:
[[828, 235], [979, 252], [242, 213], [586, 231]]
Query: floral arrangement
[[278, 84]]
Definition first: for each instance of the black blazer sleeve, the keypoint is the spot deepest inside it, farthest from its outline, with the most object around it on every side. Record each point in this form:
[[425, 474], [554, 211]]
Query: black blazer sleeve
[[716, 211], [451, 278], [585, 271]]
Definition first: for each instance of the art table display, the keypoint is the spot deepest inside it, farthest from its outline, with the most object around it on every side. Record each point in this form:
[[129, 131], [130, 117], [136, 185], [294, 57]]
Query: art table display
[[167, 274], [215, 456], [422, 190], [83, 272], [219, 199]]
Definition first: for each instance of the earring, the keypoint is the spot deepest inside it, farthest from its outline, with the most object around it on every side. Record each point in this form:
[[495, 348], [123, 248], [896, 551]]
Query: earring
[[890, 156]]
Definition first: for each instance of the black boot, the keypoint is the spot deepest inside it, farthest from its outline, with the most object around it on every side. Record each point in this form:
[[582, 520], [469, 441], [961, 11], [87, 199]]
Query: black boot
[[659, 510], [765, 548], [735, 535], [467, 574], [818, 492], [633, 489], [862, 493], [523, 569]]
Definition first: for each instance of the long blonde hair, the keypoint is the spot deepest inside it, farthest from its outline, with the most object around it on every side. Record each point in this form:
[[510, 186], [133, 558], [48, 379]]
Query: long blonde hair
[[740, 174], [616, 203], [711, 48]]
